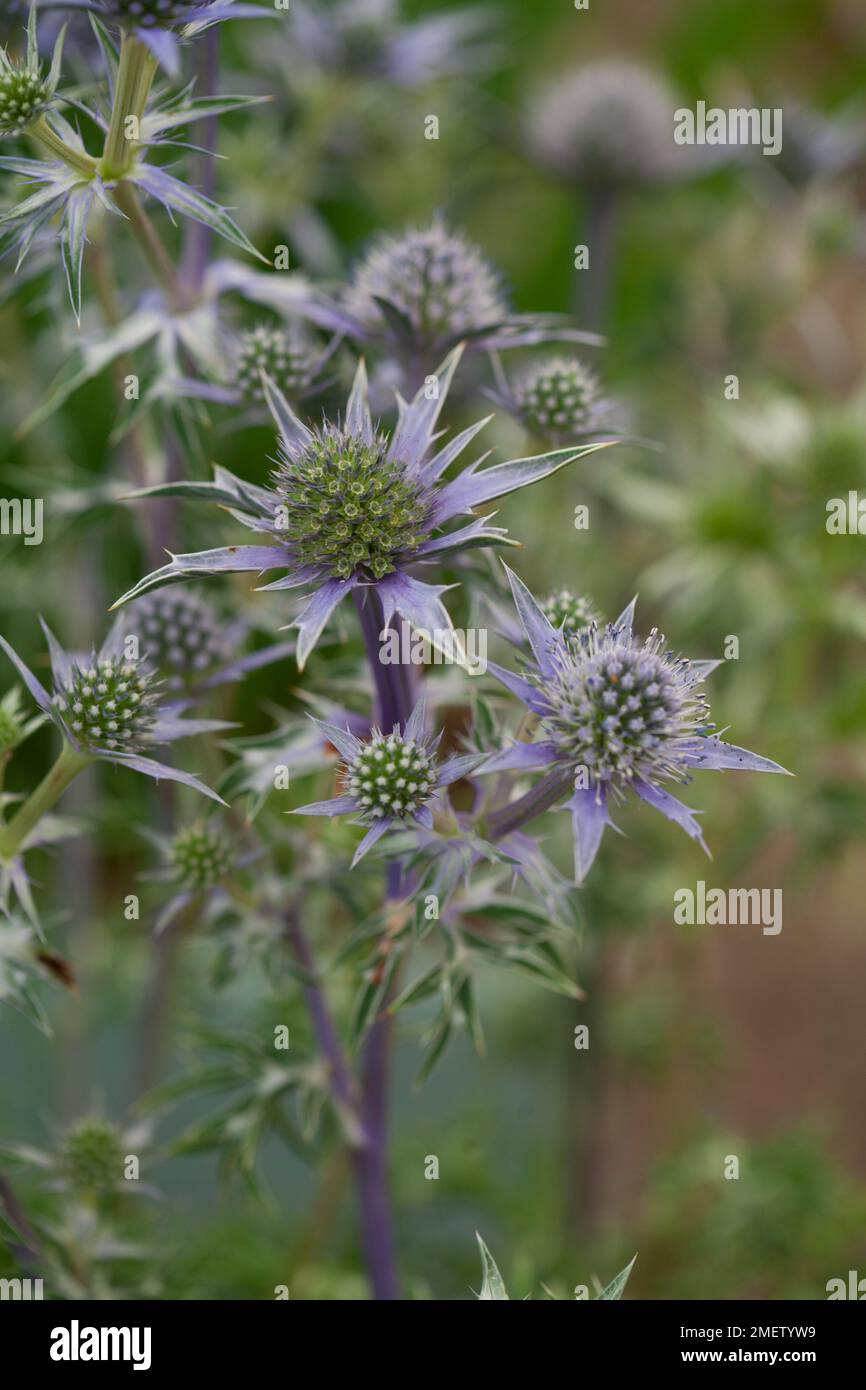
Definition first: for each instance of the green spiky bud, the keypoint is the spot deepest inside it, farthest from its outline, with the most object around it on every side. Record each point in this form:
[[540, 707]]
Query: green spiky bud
[[346, 506], [92, 1155], [110, 704], [556, 398], [201, 856], [569, 611], [391, 776], [24, 95], [288, 358]]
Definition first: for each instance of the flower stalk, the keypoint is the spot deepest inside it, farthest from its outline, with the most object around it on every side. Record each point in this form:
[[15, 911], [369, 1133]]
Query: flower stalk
[[67, 767], [78, 160], [135, 75]]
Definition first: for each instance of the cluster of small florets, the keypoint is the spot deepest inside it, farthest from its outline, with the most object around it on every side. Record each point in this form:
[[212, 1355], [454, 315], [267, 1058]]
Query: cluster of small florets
[[623, 710], [180, 634], [201, 856], [287, 358], [91, 1155], [569, 612], [391, 776], [110, 704], [606, 126], [24, 95], [344, 506], [442, 284], [556, 398], [152, 14]]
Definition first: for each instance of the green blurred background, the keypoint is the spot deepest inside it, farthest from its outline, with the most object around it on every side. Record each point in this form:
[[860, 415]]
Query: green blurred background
[[708, 1041]]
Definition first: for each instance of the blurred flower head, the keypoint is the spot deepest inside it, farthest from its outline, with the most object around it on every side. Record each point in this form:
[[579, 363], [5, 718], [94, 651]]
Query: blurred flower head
[[420, 292], [201, 856], [558, 399], [606, 126]]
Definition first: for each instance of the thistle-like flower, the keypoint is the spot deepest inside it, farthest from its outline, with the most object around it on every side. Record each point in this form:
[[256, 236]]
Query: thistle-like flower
[[606, 126], [91, 1155], [26, 91], [392, 781], [616, 715], [287, 357], [557, 399], [111, 708], [427, 289], [352, 508], [201, 856], [189, 643]]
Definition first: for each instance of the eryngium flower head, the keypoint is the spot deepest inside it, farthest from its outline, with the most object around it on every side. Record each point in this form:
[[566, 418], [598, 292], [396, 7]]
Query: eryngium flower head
[[441, 283], [390, 779], [286, 356], [110, 707], [351, 508], [424, 290], [557, 398], [151, 21], [607, 126], [616, 715], [109, 703], [192, 645], [570, 613], [25, 90], [182, 636], [200, 856], [91, 1156]]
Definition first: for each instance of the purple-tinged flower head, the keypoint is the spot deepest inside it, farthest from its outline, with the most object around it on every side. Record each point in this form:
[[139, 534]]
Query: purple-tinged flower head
[[110, 707], [286, 355], [26, 91], [421, 292], [442, 285], [189, 642], [391, 781], [350, 508], [606, 126], [616, 715], [200, 856], [181, 634]]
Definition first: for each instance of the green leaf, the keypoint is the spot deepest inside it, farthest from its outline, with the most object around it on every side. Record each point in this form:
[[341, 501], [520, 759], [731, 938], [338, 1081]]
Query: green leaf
[[616, 1286], [493, 1285]]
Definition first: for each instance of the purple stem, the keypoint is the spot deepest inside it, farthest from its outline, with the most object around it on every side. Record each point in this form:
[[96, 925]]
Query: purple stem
[[394, 700], [533, 803]]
